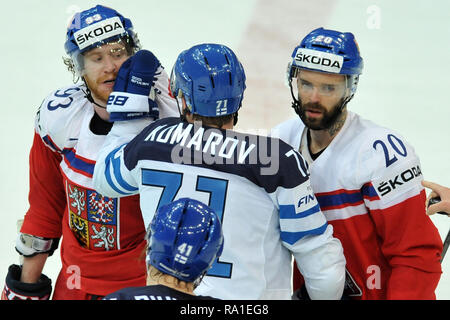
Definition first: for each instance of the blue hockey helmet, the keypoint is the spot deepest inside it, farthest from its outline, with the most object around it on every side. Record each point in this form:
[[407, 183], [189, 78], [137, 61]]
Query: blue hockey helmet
[[185, 238], [328, 51], [211, 79], [94, 27]]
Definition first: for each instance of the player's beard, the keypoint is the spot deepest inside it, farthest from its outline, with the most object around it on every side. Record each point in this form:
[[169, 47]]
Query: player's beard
[[99, 91], [328, 117]]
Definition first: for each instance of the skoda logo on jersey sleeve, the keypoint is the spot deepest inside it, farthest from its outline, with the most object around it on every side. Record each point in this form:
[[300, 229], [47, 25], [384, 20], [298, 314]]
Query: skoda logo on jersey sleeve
[[318, 60]]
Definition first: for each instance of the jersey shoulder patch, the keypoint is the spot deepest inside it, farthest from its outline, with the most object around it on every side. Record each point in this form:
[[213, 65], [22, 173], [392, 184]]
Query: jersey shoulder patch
[[390, 163]]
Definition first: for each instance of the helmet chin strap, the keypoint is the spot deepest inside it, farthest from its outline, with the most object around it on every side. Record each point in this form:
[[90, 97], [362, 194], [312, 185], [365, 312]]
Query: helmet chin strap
[[296, 104], [88, 95]]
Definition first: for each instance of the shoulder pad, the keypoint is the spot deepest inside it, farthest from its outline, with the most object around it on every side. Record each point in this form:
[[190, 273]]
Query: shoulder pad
[[289, 131], [393, 167], [56, 112]]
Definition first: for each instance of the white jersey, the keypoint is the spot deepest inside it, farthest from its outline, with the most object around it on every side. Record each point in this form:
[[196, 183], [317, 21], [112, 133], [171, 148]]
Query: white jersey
[[63, 123], [63, 200], [266, 205], [362, 154], [366, 181]]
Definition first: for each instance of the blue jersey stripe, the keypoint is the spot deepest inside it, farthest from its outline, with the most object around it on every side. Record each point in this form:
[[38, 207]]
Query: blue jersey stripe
[[49, 141], [110, 181], [78, 164], [288, 212], [293, 237], [115, 163], [369, 191], [339, 199]]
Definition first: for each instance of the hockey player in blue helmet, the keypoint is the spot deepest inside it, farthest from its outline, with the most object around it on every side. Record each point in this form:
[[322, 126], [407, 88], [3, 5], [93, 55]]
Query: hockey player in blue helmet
[[70, 127], [208, 82], [200, 156], [335, 54], [98, 41], [353, 163], [184, 239]]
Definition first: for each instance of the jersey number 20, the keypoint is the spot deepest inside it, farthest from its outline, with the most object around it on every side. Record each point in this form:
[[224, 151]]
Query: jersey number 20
[[397, 147]]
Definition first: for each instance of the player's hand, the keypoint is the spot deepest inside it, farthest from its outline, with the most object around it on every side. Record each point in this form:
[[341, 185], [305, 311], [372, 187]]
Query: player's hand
[[437, 191], [134, 93], [16, 290]]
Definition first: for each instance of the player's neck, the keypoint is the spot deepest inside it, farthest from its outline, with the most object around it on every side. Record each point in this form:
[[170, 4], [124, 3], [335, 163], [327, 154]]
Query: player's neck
[[102, 113], [226, 126], [171, 282], [320, 139], [100, 107]]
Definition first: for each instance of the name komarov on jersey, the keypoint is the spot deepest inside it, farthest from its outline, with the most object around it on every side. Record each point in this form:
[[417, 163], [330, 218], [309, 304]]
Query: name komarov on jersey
[[211, 146]]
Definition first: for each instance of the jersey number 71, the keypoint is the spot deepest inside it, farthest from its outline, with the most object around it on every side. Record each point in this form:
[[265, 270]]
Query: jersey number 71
[[217, 188]]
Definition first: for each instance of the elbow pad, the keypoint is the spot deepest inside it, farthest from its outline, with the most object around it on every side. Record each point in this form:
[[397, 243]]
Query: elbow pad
[[28, 245]]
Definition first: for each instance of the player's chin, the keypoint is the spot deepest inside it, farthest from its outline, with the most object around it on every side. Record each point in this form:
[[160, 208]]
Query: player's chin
[[103, 93], [313, 124]]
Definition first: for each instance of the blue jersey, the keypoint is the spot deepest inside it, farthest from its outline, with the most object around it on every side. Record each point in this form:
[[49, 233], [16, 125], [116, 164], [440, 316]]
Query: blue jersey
[[155, 292], [258, 186]]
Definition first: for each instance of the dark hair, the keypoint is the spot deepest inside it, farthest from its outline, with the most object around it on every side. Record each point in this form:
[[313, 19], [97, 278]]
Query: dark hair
[[212, 121]]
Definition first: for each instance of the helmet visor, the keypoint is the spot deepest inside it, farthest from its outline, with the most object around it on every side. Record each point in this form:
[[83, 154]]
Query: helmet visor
[[101, 55], [304, 86]]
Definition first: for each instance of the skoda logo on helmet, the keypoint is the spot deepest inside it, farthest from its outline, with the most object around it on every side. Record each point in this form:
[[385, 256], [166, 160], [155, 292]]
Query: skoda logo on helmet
[[98, 32], [323, 61]]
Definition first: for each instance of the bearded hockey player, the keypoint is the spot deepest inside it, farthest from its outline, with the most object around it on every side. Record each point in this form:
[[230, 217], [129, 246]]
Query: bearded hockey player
[[366, 178]]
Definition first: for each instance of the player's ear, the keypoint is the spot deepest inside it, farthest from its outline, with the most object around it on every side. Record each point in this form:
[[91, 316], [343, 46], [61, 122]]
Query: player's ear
[[185, 108], [185, 112]]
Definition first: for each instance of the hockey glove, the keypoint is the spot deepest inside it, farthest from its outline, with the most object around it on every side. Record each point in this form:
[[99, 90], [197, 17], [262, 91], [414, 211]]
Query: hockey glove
[[16, 290], [134, 94]]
